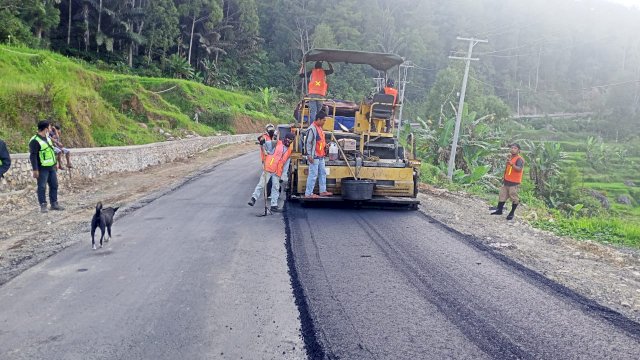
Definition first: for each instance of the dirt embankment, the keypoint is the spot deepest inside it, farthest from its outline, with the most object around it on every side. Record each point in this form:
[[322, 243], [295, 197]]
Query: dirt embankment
[[606, 274]]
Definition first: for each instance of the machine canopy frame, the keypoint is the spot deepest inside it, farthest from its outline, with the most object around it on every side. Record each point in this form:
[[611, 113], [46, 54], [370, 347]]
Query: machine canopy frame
[[379, 61]]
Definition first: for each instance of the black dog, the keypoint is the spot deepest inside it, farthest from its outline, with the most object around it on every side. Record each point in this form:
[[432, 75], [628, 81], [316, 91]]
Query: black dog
[[102, 218]]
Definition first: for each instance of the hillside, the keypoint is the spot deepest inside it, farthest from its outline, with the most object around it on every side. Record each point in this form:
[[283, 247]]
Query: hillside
[[99, 108]]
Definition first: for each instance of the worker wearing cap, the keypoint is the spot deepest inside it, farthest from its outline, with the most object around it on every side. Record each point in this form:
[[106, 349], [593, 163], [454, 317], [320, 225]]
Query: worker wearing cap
[[276, 166], [269, 135], [390, 90], [316, 145], [511, 181], [317, 87]]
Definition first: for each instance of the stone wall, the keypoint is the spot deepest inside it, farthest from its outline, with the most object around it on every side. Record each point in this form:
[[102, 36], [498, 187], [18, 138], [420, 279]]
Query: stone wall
[[93, 162]]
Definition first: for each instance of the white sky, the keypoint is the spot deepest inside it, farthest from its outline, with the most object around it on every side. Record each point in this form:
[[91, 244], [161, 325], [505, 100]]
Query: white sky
[[634, 3]]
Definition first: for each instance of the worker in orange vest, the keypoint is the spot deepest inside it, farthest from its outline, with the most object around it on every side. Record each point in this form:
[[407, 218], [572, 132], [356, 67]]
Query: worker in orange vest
[[269, 135], [390, 90], [511, 182], [316, 145], [317, 88], [276, 167]]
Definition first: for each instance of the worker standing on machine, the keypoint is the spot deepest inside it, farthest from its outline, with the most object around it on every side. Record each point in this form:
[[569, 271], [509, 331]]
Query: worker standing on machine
[[316, 146], [276, 166], [317, 87]]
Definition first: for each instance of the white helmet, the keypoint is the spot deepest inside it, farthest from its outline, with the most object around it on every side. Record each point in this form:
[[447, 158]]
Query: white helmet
[[270, 127]]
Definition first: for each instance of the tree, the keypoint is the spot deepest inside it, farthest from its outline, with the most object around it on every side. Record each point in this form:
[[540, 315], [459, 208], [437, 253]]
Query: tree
[[196, 12], [162, 27]]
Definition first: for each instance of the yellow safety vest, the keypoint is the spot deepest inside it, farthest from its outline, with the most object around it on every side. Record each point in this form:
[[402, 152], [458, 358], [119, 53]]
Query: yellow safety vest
[[46, 154]]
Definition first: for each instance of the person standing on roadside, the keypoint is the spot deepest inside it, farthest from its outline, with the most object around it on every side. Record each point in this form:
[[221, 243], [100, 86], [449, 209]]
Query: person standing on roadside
[[511, 181], [43, 165], [317, 87], [5, 159], [316, 145]]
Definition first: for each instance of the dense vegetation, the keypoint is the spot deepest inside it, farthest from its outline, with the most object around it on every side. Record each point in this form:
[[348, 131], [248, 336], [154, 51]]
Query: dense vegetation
[[542, 55]]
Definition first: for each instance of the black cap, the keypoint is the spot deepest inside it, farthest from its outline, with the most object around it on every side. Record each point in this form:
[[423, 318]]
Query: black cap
[[320, 115], [516, 145]]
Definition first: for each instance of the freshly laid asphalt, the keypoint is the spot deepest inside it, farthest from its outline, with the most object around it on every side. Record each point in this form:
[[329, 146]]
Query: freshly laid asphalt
[[194, 274], [384, 284]]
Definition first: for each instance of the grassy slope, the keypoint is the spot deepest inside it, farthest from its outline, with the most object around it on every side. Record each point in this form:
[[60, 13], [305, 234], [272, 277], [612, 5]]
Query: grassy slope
[[97, 108]]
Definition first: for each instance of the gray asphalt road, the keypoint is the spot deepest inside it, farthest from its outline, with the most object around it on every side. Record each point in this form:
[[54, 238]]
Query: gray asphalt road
[[192, 275], [381, 284]]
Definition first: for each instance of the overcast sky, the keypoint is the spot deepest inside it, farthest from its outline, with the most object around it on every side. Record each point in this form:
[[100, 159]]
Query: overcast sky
[[635, 3]]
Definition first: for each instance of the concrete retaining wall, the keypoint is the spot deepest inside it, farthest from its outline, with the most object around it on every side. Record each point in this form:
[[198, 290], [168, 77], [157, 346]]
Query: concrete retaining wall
[[93, 162]]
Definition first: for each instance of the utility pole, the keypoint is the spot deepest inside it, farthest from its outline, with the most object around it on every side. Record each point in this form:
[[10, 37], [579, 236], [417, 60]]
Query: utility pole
[[456, 132]]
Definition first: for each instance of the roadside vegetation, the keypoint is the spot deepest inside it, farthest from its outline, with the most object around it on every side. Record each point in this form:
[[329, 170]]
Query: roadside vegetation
[[102, 108], [576, 183]]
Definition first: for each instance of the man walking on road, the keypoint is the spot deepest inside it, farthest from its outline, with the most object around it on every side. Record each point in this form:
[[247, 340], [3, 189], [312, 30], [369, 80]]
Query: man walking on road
[[511, 182], [43, 164], [316, 145], [5, 159], [317, 87], [276, 165]]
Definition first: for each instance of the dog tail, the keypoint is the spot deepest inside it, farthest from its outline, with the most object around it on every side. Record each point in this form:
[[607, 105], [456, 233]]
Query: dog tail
[[98, 207]]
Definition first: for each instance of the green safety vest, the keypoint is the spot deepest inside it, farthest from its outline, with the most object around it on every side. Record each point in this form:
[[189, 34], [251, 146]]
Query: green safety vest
[[46, 154]]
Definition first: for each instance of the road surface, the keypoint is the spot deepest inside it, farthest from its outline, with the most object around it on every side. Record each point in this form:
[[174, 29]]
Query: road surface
[[192, 275], [196, 275], [397, 285]]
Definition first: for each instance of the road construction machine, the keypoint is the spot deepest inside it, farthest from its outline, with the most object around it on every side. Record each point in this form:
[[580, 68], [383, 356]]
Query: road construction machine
[[366, 163]]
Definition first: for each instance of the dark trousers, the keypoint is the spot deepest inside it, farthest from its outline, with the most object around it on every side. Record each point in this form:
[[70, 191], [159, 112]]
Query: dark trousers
[[47, 176]]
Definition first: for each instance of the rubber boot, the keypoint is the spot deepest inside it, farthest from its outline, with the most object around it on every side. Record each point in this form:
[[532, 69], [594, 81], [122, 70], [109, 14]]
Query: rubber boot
[[499, 209], [43, 208], [275, 209], [512, 212], [252, 201]]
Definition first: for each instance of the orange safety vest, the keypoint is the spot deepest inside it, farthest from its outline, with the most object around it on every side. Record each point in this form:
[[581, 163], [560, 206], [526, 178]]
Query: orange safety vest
[[266, 138], [320, 144], [318, 82], [511, 174], [392, 91], [274, 163]]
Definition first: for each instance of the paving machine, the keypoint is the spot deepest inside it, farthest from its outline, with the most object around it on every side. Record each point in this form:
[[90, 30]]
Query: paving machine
[[366, 164]]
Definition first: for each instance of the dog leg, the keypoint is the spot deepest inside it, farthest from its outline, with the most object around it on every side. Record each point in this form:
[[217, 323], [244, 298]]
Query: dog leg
[[108, 232], [93, 238]]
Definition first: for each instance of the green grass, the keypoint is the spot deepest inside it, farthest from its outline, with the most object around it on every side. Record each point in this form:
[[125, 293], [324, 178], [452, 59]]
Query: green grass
[[605, 229], [100, 108]]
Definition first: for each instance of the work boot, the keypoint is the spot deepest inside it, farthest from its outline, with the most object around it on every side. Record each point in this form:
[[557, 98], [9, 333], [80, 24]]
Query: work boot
[[252, 201], [512, 212], [499, 209], [43, 208], [56, 206], [275, 209]]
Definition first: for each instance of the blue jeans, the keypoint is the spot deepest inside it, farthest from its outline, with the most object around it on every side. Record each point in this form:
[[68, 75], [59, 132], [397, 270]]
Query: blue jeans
[[315, 169], [47, 175], [275, 187], [314, 107]]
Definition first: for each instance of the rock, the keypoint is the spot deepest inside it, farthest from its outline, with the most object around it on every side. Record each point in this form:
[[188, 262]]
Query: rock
[[604, 201], [143, 125], [629, 183], [625, 304], [161, 131], [624, 199]]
